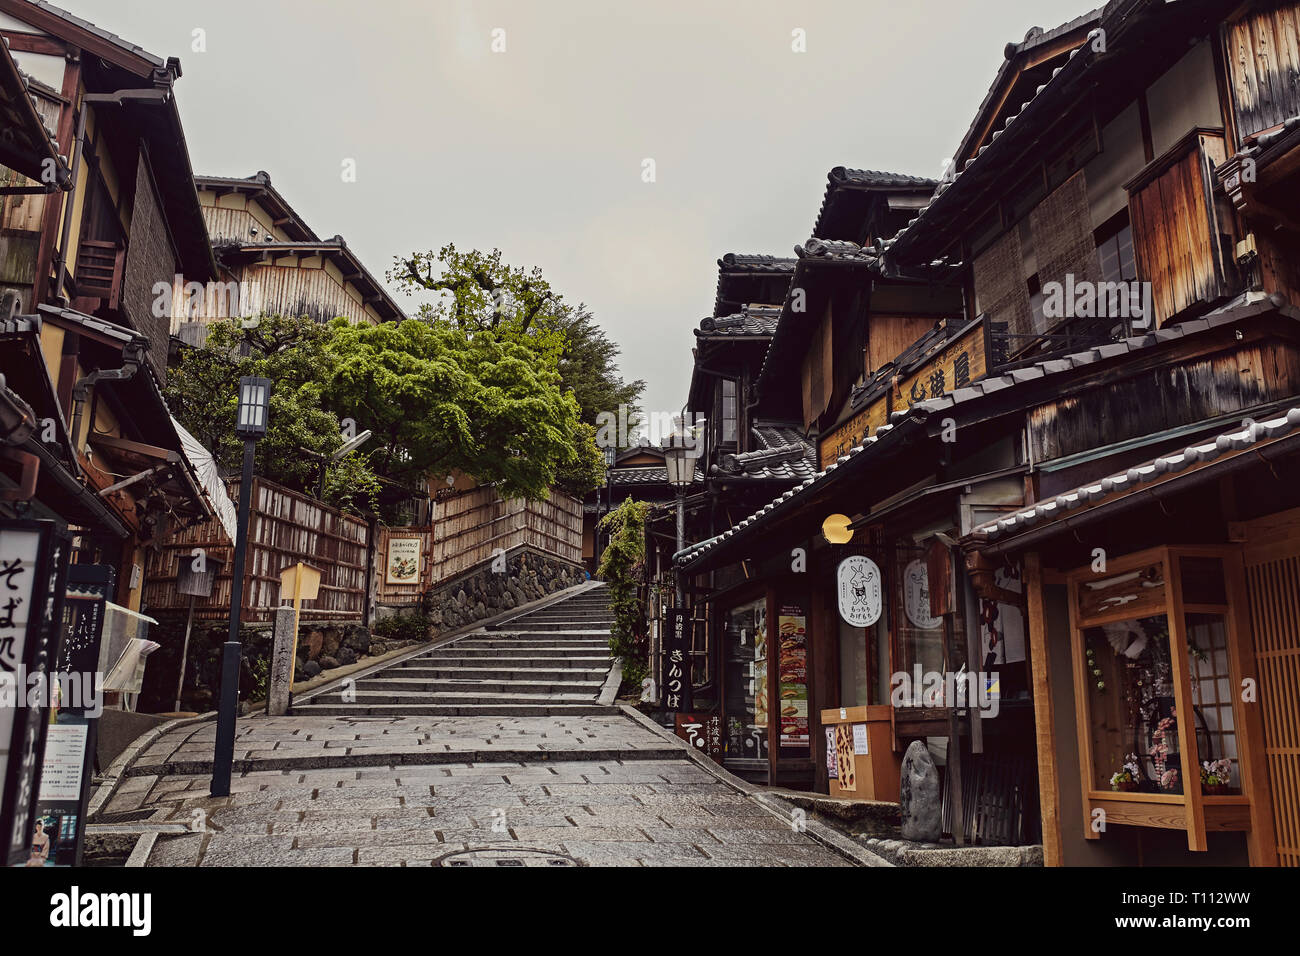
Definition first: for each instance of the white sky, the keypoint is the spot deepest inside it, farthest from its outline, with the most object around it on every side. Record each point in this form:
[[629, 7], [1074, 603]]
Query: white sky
[[538, 150]]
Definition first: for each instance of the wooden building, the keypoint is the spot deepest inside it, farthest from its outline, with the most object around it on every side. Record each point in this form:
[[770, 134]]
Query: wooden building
[[90, 229], [1075, 481], [272, 262]]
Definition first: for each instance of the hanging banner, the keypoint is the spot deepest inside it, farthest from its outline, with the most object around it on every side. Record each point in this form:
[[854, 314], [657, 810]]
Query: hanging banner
[[677, 661], [33, 578], [857, 583]]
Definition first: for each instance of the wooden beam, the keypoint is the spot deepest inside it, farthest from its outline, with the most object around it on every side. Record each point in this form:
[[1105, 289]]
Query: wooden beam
[[1049, 789]]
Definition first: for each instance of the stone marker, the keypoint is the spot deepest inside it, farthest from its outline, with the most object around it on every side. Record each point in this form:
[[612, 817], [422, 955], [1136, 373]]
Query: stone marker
[[918, 797], [277, 693]]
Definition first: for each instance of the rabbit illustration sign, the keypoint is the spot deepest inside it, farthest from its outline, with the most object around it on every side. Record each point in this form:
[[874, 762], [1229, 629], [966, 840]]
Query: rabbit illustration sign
[[857, 582]]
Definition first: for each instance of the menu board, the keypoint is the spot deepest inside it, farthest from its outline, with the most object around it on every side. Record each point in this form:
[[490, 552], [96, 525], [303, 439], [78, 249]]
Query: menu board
[[793, 676]]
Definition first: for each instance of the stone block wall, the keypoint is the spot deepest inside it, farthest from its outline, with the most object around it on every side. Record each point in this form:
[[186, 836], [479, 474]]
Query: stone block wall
[[528, 575]]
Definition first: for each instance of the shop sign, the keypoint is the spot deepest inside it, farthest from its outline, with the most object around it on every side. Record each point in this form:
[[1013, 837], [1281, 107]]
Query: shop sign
[[916, 597], [955, 366], [677, 661], [70, 747], [702, 731], [857, 582], [33, 576]]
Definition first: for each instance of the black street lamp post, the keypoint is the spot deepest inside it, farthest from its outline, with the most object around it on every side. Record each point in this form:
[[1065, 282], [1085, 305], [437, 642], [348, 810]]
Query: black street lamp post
[[679, 460], [250, 425]]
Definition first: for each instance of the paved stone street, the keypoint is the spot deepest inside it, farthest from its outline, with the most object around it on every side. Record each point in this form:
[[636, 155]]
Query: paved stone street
[[500, 753], [579, 806]]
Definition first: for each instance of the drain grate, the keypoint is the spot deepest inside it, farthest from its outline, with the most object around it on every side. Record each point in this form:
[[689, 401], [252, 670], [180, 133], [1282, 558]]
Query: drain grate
[[506, 856]]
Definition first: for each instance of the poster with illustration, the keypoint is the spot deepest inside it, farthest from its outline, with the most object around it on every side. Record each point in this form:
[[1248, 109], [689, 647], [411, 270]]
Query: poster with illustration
[[793, 676], [403, 560]]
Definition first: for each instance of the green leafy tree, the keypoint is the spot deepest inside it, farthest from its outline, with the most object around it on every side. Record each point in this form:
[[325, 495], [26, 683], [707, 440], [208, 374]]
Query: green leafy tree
[[202, 391], [622, 567], [440, 398], [520, 305]]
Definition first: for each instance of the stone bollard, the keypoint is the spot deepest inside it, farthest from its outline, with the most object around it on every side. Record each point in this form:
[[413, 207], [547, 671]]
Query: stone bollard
[[919, 801], [277, 695]]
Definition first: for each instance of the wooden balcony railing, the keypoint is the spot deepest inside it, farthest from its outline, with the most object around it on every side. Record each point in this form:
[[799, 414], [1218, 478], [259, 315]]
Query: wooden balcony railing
[[99, 270]]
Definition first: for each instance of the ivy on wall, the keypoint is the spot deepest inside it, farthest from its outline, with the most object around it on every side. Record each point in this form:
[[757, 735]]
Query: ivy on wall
[[622, 567]]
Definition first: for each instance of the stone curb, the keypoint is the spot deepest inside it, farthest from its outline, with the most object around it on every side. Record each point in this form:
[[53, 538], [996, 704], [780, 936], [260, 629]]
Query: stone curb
[[143, 847], [368, 757], [828, 837], [333, 683], [612, 683], [120, 768]]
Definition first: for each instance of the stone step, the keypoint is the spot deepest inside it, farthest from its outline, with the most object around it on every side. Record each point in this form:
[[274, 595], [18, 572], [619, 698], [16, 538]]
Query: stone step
[[519, 671], [543, 626], [504, 686], [529, 660], [519, 652], [529, 642], [455, 710], [366, 697]]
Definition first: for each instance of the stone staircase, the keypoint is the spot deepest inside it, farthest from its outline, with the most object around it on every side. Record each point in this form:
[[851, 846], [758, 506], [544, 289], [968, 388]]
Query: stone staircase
[[550, 661]]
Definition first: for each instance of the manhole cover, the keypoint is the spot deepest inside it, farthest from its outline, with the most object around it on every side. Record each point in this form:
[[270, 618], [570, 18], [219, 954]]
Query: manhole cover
[[506, 856]]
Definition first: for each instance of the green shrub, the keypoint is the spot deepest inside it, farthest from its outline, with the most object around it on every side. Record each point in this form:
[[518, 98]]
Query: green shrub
[[403, 627]]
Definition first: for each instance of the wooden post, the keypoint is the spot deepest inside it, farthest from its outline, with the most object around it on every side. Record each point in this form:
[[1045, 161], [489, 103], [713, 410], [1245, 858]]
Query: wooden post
[[1189, 758], [1049, 790], [297, 612]]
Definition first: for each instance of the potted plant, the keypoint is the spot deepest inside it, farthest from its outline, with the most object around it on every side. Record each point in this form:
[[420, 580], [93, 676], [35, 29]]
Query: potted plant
[[1125, 779], [1215, 776]]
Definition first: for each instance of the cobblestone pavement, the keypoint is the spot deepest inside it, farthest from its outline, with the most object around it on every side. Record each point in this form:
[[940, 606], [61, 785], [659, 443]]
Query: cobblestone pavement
[[640, 809]]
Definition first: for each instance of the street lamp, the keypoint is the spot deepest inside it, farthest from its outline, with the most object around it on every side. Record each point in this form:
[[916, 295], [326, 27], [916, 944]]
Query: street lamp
[[250, 425], [679, 459]]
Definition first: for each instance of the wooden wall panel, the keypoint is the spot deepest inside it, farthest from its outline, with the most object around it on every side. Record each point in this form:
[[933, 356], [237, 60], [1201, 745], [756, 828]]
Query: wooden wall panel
[[1175, 232], [1262, 51]]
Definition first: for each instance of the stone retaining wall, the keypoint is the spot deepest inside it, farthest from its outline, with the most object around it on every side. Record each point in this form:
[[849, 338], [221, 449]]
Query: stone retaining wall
[[528, 575]]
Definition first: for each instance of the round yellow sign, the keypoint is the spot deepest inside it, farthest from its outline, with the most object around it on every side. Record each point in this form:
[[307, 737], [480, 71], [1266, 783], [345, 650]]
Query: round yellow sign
[[836, 530]]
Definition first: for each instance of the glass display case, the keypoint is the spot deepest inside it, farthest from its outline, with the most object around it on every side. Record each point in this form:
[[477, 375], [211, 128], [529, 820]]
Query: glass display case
[[745, 656], [1157, 653]]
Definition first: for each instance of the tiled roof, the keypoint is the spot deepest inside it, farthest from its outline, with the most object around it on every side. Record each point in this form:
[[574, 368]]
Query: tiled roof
[[1115, 16], [113, 38], [31, 141], [754, 321], [643, 475], [1245, 436], [784, 454], [833, 214], [1035, 37], [736, 267], [908, 419]]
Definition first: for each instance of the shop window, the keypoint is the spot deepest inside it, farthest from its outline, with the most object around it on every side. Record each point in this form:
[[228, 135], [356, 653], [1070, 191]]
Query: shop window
[[1216, 732], [745, 656], [1134, 706], [1155, 647], [854, 672], [919, 634]]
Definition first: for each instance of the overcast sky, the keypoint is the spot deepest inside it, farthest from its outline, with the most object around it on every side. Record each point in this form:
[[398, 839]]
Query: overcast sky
[[538, 150]]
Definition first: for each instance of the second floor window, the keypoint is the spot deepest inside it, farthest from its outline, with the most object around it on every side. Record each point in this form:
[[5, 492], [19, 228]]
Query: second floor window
[[729, 412], [1118, 263]]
